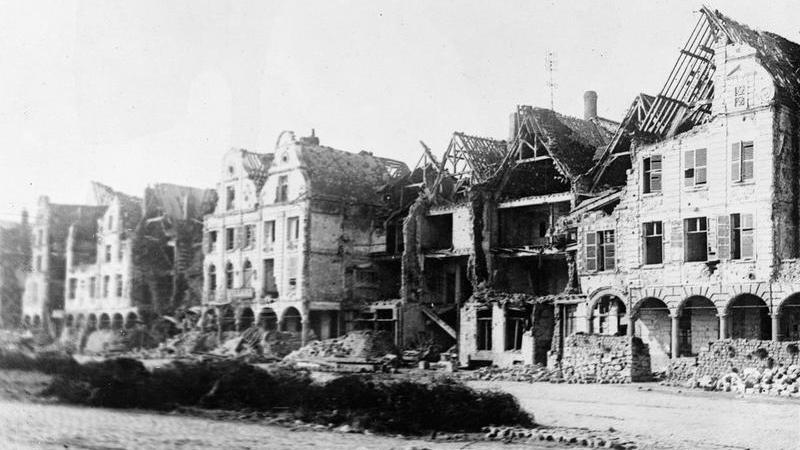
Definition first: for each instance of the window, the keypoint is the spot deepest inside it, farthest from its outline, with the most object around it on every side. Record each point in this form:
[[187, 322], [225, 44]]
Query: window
[[651, 170], [694, 173], [293, 228], [118, 284], [696, 236], [106, 283], [39, 237], [229, 276], [542, 229], [212, 241], [212, 278], [249, 236], [108, 253], [270, 288], [230, 236], [120, 249], [365, 276], [230, 197], [39, 263], [741, 236], [653, 243], [269, 233], [570, 319], [742, 161], [600, 251], [282, 190], [484, 329], [110, 223], [291, 271], [93, 287], [247, 273], [515, 327], [73, 287]]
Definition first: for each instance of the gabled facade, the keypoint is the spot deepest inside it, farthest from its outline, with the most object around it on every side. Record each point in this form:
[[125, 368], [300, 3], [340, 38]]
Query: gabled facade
[[289, 242], [701, 241]]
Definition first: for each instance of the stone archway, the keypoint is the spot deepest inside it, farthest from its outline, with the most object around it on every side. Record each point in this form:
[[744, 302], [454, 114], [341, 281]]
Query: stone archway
[[117, 322], [789, 318], [653, 325], [91, 322], [37, 321], [267, 319], [130, 320], [608, 316], [748, 318], [698, 324], [105, 322], [227, 319], [291, 320], [246, 318]]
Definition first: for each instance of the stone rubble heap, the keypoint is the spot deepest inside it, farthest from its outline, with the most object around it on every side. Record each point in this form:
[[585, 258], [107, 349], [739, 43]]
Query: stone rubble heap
[[563, 436], [742, 366], [521, 373], [604, 359]]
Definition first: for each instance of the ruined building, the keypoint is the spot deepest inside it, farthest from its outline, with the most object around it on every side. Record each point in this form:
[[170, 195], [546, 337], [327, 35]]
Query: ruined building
[[690, 226], [288, 244], [43, 299], [124, 260], [15, 260]]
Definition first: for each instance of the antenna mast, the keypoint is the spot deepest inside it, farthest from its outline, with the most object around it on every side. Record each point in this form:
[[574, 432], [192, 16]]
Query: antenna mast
[[550, 65]]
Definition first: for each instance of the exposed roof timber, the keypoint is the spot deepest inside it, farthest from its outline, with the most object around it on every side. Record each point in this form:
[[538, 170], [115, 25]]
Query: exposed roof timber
[[536, 200]]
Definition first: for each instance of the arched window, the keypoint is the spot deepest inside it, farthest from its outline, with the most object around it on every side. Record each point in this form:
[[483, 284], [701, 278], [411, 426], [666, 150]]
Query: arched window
[[247, 273], [212, 278], [229, 276]]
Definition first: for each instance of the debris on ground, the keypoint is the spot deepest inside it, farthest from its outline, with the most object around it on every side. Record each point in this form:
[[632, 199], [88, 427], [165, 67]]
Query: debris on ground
[[781, 381], [357, 351], [521, 373]]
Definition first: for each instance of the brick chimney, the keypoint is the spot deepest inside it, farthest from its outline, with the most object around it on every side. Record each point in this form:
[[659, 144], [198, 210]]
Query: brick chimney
[[589, 105]]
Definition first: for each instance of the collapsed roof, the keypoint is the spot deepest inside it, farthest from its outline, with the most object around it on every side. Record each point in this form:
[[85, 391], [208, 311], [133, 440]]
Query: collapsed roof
[[685, 100]]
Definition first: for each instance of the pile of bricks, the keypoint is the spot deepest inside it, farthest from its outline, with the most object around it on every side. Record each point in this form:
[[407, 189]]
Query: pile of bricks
[[604, 359], [563, 437], [744, 366], [521, 373]]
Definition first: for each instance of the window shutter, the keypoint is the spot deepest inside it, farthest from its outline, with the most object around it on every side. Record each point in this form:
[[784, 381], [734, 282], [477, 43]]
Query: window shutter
[[723, 237], [646, 175], [736, 161], [747, 236], [747, 162], [591, 252], [676, 239], [700, 166], [655, 177], [688, 173], [238, 237]]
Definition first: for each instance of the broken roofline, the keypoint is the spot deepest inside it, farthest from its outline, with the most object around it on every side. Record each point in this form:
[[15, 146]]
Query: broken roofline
[[685, 98]]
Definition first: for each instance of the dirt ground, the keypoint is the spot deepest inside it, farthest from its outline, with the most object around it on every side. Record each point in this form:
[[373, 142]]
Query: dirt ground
[[664, 417]]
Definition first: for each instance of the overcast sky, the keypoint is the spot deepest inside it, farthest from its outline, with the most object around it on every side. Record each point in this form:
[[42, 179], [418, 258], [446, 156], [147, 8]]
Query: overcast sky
[[131, 93]]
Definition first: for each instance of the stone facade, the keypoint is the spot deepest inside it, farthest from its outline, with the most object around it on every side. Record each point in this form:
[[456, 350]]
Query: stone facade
[[604, 359]]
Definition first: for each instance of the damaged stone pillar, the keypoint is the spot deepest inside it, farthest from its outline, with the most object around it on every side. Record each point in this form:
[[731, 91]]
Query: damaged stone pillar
[[776, 324], [674, 343], [631, 320], [305, 329], [723, 326]]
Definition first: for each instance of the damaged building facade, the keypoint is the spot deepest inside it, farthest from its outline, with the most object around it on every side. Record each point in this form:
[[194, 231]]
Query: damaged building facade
[[288, 244], [690, 231]]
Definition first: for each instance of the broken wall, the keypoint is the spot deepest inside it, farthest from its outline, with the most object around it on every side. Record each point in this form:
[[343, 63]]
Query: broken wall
[[605, 359]]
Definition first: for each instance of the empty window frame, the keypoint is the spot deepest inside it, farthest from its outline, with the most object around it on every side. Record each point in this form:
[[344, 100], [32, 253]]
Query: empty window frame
[[600, 251], [694, 173], [247, 273], [230, 197], [120, 250], [108, 253], [230, 238], [229, 276], [93, 287], [742, 161], [293, 228], [39, 263], [270, 287], [269, 233], [696, 238], [651, 170], [282, 190], [653, 243], [212, 241], [212, 278], [73, 287], [106, 283], [515, 328], [741, 236], [118, 285], [484, 335], [249, 236]]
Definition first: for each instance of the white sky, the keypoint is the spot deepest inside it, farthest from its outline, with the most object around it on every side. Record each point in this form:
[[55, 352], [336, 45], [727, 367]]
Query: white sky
[[135, 92]]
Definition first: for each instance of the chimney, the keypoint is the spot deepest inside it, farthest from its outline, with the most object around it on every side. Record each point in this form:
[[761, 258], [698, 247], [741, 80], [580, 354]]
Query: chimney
[[589, 105]]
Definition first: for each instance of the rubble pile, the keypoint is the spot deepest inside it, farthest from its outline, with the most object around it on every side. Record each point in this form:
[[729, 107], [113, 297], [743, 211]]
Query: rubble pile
[[742, 366], [563, 436], [605, 359], [521, 373], [363, 344]]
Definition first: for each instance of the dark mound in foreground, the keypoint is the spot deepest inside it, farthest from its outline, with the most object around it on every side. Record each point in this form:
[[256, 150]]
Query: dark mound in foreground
[[381, 405]]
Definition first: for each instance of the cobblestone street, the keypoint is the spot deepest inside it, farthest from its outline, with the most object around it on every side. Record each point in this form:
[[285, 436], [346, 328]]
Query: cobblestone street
[[664, 417]]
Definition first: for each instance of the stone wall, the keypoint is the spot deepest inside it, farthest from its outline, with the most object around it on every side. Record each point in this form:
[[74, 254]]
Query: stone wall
[[590, 358]]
